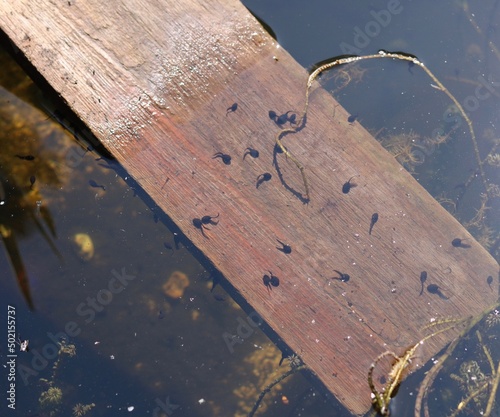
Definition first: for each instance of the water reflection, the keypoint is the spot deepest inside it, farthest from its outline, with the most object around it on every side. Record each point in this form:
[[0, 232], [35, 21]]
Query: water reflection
[[24, 161]]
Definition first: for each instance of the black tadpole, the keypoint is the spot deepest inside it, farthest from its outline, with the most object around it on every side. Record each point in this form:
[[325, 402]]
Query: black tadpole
[[254, 153], [270, 281], [281, 120], [232, 108], [372, 222], [348, 185], [210, 219], [342, 277], [94, 184], [223, 156], [266, 176], [275, 281], [459, 243], [286, 249], [198, 223], [434, 289]]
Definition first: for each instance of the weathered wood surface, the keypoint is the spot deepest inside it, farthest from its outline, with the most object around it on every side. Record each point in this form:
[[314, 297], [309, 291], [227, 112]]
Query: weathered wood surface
[[153, 80]]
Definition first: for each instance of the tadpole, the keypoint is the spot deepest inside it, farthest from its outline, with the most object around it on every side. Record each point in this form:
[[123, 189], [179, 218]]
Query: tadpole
[[435, 289], [266, 176], [94, 184], [352, 118], [254, 153], [348, 185], [459, 243], [372, 222], [286, 249], [226, 159], [232, 108]]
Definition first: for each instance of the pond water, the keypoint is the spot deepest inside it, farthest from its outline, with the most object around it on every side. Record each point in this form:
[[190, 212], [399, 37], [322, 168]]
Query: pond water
[[125, 321]]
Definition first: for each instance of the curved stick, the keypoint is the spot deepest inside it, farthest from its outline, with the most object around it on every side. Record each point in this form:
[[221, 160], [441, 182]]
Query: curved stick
[[347, 59]]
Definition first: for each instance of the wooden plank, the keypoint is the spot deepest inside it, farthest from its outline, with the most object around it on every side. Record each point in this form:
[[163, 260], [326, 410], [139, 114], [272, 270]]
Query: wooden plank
[[153, 81]]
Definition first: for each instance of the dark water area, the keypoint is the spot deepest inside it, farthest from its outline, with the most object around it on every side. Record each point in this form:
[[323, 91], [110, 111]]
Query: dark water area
[[125, 321]]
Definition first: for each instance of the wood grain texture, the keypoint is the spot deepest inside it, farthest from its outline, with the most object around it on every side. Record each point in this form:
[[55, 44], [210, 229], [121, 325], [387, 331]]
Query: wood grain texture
[[153, 80]]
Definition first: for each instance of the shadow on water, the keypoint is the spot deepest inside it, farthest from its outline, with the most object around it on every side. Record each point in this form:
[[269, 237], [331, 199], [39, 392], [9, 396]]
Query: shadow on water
[[24, 161]]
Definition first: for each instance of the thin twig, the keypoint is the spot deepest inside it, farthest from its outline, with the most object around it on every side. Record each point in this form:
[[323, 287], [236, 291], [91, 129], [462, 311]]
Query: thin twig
[[354, 58], [270, 387], [421, 399]]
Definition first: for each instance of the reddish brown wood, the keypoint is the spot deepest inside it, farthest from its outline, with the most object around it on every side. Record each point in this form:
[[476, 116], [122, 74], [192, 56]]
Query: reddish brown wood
[[153, 80]]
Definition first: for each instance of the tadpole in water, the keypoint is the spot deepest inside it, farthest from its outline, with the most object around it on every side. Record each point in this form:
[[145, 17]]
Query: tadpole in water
[[169, 247], [94, 184]]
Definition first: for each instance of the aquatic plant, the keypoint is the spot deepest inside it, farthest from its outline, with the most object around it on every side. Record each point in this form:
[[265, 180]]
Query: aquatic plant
[[80, 409], [342, 60], [51, 399], [493, 319], [22, 210], [477, 377], [296, 365], [409, 148], [400, 367]]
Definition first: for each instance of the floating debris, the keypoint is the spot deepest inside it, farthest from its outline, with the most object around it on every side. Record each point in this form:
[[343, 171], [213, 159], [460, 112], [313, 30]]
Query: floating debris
[[83, 246], [80, 410], [176, 284]]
